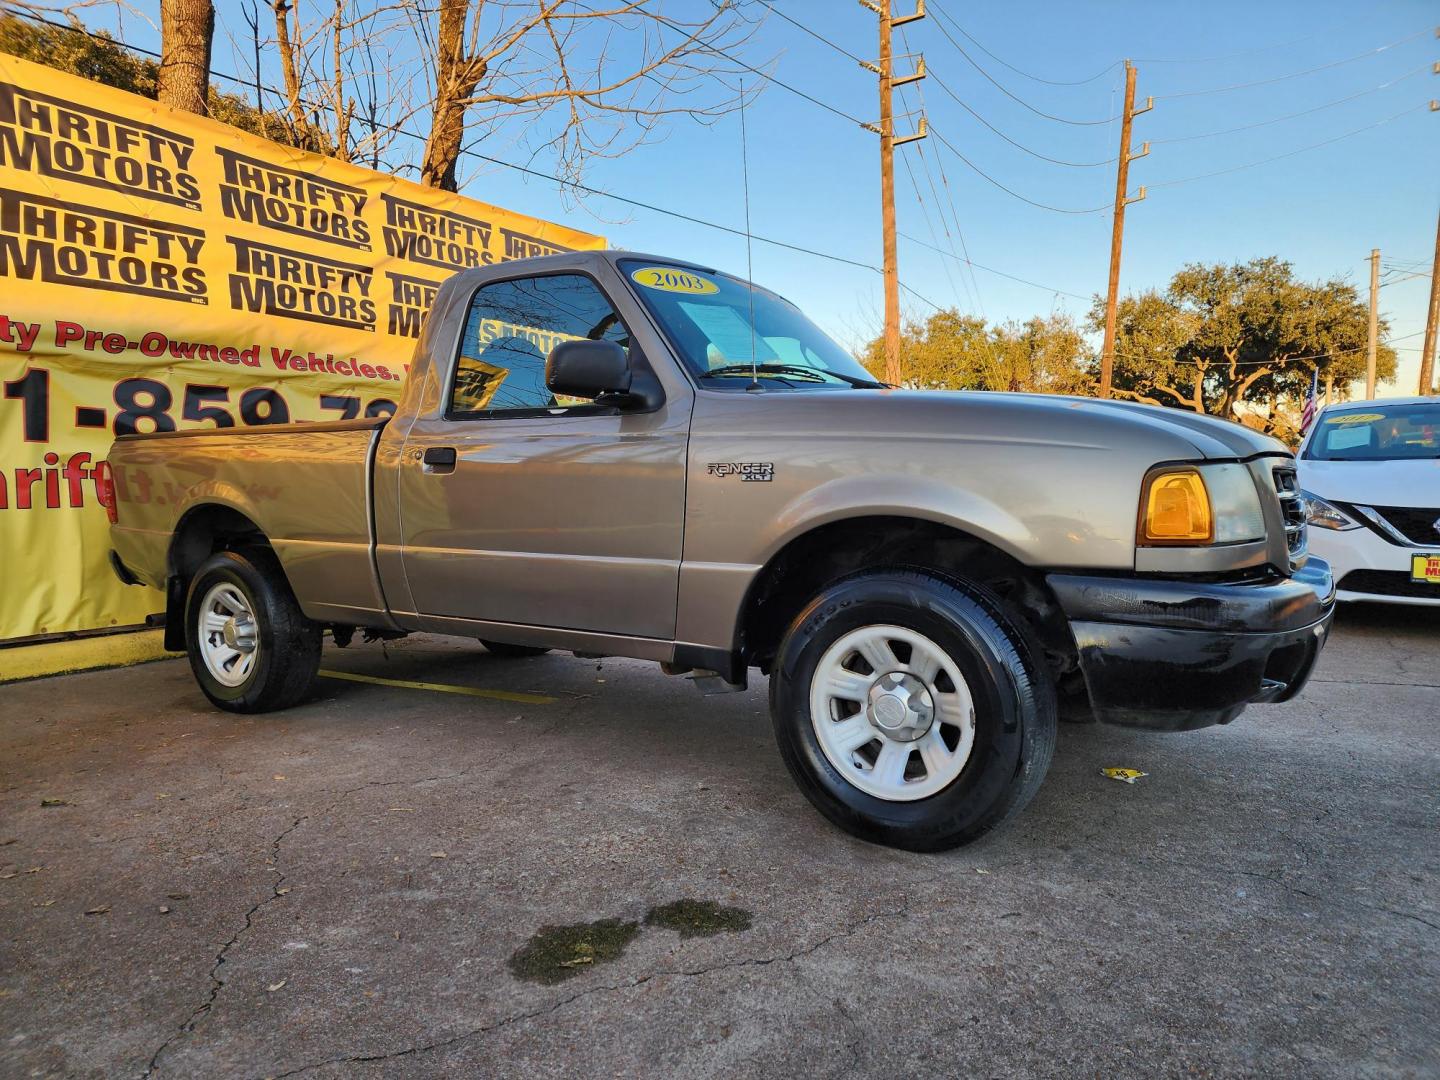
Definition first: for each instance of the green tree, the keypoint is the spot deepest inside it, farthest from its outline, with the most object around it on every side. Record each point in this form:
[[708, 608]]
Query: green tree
[[1223, 335], [951, 351]]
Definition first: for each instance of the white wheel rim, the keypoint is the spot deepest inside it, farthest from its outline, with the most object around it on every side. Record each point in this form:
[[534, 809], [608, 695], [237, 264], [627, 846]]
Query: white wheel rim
[[228, 635], [869, 699]]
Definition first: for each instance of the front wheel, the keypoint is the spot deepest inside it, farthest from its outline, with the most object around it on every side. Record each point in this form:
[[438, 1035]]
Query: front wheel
[[911, 710], [251, 648]]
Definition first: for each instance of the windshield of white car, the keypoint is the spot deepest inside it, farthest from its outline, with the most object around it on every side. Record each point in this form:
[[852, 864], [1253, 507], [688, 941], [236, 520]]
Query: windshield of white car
[[1377, 433], [715, 321]]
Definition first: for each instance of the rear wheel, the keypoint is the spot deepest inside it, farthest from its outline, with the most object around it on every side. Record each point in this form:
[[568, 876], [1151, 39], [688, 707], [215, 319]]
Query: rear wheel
[[250, 646], [501, 648], [911, 709]]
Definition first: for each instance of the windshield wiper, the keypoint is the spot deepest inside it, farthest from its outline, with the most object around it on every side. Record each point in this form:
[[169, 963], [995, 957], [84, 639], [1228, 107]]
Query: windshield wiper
[[818, 374]]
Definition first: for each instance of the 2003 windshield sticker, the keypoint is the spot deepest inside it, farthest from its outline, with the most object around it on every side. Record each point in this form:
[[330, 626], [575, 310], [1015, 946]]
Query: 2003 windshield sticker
[[673, 279]]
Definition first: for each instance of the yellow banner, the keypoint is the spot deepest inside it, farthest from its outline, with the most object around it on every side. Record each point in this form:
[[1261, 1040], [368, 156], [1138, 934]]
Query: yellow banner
[[161, 271]]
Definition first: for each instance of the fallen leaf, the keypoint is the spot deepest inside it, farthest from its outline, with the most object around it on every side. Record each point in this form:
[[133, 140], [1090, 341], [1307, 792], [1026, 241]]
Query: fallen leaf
[[978, 870], [277, 776], [276, 986], [282, 892], [400, 810], [161, 795], [53, 802], [438, 855], [35, 869], [43, 903], [164, 910], [7, 875], [178, 895], [101, 910]]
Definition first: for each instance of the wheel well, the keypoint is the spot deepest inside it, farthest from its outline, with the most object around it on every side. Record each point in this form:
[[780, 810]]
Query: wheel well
[[202, 532], [208, 529], [811, 561]]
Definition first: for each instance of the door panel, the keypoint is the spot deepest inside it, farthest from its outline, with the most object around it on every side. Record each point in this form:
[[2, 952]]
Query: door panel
[[570, 521]]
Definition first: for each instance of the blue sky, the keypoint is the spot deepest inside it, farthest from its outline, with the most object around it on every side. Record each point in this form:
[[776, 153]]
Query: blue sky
[[814, 176]]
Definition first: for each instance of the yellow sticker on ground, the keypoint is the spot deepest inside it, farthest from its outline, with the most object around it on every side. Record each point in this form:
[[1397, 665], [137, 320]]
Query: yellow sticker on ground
[[1125, 776], [673, 279], [1355, 418]]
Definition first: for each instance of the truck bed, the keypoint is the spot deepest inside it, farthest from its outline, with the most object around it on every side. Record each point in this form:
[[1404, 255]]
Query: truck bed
[[306, 486]]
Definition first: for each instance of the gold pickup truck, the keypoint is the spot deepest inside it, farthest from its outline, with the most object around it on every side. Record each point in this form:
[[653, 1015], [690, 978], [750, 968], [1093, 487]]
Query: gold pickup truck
[[627, 455]]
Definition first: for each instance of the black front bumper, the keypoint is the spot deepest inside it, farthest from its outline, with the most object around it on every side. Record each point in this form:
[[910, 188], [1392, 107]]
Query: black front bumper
[[1175, 655]]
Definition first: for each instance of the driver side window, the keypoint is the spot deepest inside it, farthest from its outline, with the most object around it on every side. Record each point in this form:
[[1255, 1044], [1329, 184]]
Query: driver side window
[[509, 331]]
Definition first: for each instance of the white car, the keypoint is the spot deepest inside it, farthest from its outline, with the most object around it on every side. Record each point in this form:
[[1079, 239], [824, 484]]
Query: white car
[[1370, 472]]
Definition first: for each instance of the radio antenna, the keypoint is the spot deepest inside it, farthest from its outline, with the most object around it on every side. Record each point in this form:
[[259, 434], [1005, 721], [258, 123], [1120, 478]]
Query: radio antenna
[[749, 255]]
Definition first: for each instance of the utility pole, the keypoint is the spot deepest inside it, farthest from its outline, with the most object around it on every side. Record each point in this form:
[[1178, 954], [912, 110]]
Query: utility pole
[[888, 142], [1371, 343], [1117, 233], [1427, 351]]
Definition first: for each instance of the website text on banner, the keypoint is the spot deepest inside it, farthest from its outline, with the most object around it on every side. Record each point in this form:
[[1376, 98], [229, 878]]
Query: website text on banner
[[159, 270]]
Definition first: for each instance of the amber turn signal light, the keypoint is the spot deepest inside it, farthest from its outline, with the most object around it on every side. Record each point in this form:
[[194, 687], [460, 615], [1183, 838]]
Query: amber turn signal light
[[1176, 509]]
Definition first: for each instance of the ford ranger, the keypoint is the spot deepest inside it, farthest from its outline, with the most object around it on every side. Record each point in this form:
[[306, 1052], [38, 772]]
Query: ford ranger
[[617, 454]]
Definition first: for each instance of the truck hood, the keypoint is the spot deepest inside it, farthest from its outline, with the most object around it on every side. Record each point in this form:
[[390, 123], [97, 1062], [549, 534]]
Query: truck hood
[[1039, 414], [1374, 483]]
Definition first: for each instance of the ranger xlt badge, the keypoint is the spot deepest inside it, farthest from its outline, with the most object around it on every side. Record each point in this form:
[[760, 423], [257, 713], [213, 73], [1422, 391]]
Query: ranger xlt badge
[[746, 470]]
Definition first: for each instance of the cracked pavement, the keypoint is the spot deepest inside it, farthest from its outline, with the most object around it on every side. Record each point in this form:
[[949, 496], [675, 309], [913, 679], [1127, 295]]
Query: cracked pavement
[[346, 881]]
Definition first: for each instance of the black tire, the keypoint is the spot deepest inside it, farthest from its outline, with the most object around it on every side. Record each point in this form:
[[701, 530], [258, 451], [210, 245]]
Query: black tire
[[288, 649], [501, 648], [1013, 694]]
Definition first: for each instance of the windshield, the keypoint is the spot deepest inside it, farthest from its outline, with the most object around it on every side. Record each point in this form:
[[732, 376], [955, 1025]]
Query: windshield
[[1377, 433], [708, 318]]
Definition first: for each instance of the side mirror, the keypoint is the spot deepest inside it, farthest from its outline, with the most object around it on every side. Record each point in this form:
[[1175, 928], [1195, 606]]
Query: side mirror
[[587, 369]]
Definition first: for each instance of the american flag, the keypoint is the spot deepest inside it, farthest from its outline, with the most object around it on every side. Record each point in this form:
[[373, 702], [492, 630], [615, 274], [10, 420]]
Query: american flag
[[1308, 415]]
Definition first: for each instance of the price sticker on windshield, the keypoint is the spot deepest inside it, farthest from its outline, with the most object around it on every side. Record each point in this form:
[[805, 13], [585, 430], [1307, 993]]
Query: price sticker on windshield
[[672, 279], [1355, 418]]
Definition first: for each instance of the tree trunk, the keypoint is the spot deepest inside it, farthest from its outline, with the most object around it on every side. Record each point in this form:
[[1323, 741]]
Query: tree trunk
[[287, 68], [187, 28], [456, 77]]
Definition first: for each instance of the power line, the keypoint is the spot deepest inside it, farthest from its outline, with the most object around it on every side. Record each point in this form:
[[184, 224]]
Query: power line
[[763, 74], [1291, 153], [1295, 74], [992, 270], [1292, 116], [1009, 191], [1019, 146], [930, 225], [949, 194], [818, 37], [1036, 78], [1008, 93]]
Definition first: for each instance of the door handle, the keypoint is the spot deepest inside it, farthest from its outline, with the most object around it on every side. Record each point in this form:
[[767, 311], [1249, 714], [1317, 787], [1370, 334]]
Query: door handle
[[439, 459]]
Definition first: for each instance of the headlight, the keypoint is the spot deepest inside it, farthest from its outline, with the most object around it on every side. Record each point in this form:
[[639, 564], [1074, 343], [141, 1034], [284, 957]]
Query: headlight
[[1326, 515], [1196, 505]]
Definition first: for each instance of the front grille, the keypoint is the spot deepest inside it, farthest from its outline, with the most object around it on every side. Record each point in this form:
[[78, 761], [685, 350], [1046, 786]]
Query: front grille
[[1387, 583], [1292, 507], [1419, 526]]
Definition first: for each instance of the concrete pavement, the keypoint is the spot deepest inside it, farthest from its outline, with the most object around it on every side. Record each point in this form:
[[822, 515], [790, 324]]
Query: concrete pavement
[[342, 889]]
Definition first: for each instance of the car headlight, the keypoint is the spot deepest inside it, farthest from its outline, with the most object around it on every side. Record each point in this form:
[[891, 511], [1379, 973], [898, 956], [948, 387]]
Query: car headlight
[[1326, 515], [1198, 505]]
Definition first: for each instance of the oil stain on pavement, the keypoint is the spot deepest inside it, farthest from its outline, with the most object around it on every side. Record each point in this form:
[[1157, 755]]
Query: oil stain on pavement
[[556, 953], [698, 918]]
